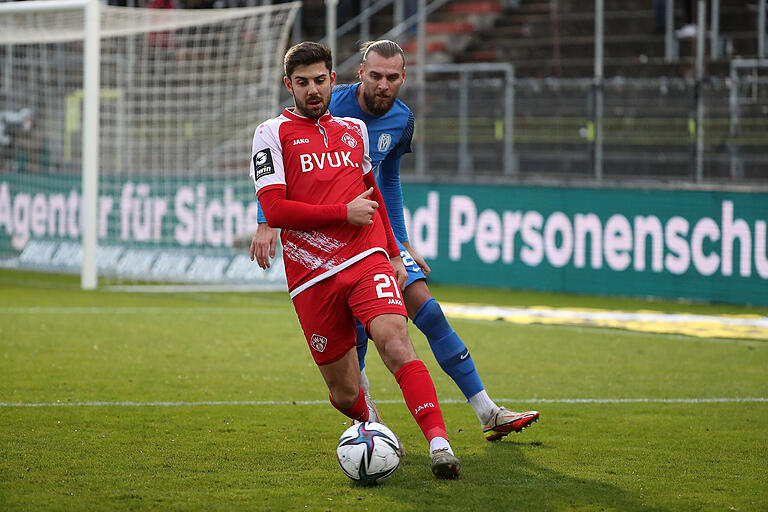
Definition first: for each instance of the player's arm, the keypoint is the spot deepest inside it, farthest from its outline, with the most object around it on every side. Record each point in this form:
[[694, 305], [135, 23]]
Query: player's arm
[[392, 249], [421, 262], [370, 181], [285, 213], [392, 192], [264, 242]]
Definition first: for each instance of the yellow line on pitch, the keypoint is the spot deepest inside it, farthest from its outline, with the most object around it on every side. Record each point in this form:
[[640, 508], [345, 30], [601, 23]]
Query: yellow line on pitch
[[701, 326]]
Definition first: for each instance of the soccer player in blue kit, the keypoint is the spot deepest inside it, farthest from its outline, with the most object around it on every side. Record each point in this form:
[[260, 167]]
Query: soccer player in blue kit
[[390, 127]]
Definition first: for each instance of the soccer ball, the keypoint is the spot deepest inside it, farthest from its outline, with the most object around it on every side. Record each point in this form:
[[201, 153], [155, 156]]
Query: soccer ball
[[368, 452]]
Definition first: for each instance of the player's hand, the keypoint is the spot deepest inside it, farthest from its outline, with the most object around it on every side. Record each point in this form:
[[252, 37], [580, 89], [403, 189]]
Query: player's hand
[[263, 245], [399, 270], [360, 210], [417, 259]]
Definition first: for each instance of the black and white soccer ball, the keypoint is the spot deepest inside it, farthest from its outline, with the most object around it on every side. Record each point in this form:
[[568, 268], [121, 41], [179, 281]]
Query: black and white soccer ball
[[368, 452]]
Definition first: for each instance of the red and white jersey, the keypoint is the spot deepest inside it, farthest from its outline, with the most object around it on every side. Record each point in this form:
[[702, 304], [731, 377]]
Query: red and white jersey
[[317, 161]]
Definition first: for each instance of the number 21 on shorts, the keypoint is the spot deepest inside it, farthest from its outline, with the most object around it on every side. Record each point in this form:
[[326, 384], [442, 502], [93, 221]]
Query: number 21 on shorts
[[385, 283]]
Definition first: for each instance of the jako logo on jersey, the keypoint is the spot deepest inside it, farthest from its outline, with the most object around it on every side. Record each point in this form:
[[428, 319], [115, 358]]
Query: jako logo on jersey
[[318, 342], [349, 140], [334, 159], [385, 140], [395, 301], [300, 141], [423, 406]]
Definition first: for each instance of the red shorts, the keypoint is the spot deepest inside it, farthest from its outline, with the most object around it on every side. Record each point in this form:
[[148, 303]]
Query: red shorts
[[327, 310]]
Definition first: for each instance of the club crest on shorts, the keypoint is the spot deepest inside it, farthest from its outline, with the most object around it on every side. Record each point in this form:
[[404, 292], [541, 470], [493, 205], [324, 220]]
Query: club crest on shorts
[[318, 342], [349, 140]]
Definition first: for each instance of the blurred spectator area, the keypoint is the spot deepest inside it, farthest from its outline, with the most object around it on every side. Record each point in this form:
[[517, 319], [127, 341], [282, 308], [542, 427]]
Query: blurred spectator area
[[650, 102], [542, 38]]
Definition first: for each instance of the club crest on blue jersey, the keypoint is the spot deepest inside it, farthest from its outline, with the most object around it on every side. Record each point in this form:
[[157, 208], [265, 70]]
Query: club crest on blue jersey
[[385, 140]]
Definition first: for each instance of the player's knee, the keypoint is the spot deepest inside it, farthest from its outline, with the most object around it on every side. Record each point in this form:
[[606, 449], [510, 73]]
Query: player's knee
[[396, 352], [344, 397], [415, 295]]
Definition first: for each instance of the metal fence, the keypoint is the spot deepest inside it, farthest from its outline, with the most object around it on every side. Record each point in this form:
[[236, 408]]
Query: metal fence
[[488, 125]]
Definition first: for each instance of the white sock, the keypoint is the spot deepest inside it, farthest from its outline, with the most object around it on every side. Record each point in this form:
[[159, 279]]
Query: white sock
[[438, 443], [364, 382], [484, 407]]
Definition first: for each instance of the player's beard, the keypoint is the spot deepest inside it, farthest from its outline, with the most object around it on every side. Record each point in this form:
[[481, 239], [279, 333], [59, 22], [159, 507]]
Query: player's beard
[[376, 105], [312, 111]]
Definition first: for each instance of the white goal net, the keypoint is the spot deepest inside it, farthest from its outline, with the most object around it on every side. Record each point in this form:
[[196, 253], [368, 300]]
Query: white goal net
[[180, 94]]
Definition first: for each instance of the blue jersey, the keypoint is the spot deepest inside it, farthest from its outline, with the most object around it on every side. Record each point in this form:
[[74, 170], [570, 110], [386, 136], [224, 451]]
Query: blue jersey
[[390, 138]]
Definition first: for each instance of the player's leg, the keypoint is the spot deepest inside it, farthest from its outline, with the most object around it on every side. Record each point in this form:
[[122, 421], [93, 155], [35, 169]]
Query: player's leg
[[390, 335], [453, 357], [450, 351], [344, 391], [330, 333], [377, 302], [362, 349]]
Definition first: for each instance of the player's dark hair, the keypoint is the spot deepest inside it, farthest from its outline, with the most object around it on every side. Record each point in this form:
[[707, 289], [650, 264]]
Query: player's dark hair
[[383, 47], [305, 54]]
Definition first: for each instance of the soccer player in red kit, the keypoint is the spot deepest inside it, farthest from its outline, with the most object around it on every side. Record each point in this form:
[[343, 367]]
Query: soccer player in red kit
[[312, 174]]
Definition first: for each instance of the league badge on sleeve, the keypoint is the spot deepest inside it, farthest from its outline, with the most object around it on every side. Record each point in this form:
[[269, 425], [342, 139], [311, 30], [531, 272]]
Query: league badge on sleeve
[[262, 163]]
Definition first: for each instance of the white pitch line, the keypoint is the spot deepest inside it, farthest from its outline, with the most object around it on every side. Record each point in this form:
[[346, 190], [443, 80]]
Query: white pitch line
[[447, 401]]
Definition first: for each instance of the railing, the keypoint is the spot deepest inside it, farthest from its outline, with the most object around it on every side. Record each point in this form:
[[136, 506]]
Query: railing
[[465, 130]]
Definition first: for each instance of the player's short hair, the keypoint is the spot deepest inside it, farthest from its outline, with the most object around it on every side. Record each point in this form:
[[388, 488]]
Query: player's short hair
[[305, 54], [383, 47]]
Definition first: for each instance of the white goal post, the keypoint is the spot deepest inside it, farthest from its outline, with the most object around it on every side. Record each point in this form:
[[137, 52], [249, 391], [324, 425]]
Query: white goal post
[[90, 152], [152, 111]]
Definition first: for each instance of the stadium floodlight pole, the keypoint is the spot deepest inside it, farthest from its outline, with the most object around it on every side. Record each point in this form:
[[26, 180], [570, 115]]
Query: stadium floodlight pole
[[398, 13], [510, 159], [330, 26], [90, 132], [670, 43], [365, 23], [421, 83], [598, 88], [714, 31], [761, 29], [700, 35], [733, 127]]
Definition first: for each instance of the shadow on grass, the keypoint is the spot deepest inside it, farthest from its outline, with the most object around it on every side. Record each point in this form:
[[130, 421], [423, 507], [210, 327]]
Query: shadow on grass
[[532, 486]]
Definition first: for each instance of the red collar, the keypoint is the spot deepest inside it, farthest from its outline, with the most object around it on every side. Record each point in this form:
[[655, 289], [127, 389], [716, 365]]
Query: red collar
[[290, 114]]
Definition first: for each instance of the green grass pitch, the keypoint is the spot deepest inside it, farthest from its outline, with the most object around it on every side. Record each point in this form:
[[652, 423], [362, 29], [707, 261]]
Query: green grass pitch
[[212, 402]]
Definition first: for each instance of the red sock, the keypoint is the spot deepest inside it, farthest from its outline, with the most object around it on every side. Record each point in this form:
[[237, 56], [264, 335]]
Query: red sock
[[421, 399], [358, 411]]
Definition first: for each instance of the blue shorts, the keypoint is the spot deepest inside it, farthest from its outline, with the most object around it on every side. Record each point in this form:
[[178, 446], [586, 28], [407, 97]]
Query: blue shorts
[[414, 271]]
